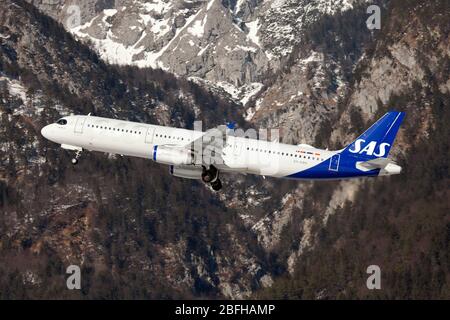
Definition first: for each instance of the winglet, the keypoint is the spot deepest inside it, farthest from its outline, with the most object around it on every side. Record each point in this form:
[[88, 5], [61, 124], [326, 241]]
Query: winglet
[[231, 125]]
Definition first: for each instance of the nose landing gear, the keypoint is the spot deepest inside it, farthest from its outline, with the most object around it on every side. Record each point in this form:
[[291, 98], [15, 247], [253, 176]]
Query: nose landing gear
[[77, 156], [211, 176]]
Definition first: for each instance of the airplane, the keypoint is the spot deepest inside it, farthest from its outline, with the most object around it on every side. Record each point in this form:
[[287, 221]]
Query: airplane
[[202, 155]]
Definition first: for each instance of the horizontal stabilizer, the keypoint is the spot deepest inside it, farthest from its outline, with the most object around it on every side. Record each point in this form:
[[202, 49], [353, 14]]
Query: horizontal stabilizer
[[387, 166]]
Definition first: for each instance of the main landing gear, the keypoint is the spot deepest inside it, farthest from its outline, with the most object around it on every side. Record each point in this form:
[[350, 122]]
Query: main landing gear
[[211, 176], [77, 156]]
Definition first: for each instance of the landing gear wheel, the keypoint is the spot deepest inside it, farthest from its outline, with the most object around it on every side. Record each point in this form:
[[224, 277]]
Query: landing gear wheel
[[74, 161], [207, 177], [211, 175], [216, 185]]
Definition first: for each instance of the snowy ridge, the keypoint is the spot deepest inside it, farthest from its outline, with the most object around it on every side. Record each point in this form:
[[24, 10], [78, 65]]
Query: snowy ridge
[[229, 48]]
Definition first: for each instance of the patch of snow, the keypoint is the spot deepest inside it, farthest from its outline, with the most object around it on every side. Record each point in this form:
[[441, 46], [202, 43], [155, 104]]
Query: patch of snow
[[198, 28], [240, 94], [258, 104], [151, 58], [244, 48], [229, 88], [109, 12], [210, 3], [239, 5], [249, 91], [157, 6], [113, 52], [253, 31], [250, 113], [145, 19], [16, 89], [277, 3], [203, 50]]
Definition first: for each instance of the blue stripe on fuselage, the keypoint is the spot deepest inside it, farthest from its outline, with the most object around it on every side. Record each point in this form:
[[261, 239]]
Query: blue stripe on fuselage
[[155, 148]]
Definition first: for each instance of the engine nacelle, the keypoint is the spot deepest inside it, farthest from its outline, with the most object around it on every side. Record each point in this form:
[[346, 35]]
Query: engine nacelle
[[186, 172], [172, 155]]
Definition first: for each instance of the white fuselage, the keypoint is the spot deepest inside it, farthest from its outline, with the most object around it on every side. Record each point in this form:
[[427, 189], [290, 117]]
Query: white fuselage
[[138, 140]]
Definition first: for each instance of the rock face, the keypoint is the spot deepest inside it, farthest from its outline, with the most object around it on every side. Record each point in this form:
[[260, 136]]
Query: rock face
[[231, 44]]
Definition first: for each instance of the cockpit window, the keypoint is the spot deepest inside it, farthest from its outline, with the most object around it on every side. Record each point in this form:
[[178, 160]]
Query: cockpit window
[[62, 122]]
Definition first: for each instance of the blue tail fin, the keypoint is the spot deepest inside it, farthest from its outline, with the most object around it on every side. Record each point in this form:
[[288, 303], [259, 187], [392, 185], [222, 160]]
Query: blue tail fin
[[377, 141]]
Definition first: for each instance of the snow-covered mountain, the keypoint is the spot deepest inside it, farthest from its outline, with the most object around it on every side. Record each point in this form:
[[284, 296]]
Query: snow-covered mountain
[[229, 44]]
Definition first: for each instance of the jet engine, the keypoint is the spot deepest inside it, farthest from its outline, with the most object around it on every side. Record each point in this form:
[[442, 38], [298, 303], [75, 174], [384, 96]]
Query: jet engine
[[172, 155], [187, 172]]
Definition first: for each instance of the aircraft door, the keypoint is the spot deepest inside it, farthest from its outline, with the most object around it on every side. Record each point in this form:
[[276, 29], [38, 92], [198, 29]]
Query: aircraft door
[[334, 162], [149, 135], [80, 124]]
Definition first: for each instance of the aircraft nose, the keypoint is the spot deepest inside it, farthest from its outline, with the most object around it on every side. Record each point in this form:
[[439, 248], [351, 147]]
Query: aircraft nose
[[46, 132]]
